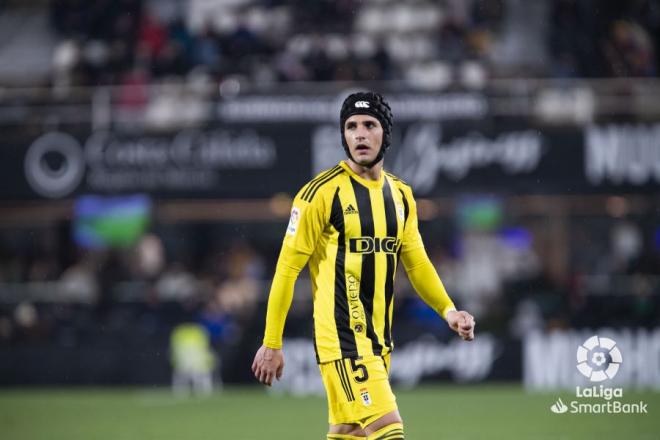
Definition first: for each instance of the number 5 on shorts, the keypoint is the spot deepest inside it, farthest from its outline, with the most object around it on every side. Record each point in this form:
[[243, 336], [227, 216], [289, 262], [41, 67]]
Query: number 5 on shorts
[[363, 375]]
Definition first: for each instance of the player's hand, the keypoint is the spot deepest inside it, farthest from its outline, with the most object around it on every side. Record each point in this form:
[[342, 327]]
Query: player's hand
[[462, 323], [268, 364]]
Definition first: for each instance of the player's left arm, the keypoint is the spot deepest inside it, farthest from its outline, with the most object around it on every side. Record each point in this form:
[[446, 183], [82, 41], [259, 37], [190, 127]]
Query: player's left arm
[[425, 280]]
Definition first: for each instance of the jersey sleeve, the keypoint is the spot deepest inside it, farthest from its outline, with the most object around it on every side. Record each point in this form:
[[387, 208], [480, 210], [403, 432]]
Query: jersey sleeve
[[289, 265], [307, 221], [305, 226], [412, 240], [423, 276], [426, 282]]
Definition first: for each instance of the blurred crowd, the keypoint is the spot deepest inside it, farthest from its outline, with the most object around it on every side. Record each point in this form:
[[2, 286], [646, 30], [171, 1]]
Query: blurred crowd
[[599, 39], [427, 44], [64, 294], [56, 292]]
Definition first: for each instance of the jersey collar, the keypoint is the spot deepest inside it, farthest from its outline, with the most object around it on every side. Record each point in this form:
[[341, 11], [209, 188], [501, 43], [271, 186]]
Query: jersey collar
[[373, 184]]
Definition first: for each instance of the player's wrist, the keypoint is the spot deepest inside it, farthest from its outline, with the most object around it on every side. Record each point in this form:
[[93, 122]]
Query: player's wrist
[[448, 312], [272, 345]]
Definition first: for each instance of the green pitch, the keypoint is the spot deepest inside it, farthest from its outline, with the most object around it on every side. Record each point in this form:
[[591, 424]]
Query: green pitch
[[431, 412]]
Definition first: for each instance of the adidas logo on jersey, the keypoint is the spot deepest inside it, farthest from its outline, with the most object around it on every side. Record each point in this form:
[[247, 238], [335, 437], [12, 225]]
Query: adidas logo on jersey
[[362, 104], [350, 210]]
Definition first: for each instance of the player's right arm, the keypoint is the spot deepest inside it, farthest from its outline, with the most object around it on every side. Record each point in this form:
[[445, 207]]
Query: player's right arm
[[303, 231], [268, 363]]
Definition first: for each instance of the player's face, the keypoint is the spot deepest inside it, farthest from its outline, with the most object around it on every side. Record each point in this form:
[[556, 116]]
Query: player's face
[[364, 136]]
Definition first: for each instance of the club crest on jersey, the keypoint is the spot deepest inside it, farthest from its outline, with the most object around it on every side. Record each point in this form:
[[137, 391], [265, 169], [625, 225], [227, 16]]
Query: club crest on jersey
[[293, 221], [366, 398], [362, 104], [359, 328]]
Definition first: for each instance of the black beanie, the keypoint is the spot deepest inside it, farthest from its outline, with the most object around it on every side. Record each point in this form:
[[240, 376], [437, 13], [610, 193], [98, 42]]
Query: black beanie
[[372, 104]]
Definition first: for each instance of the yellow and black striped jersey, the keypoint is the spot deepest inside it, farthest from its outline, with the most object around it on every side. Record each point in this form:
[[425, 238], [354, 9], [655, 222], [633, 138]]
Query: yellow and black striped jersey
[[353, 230]]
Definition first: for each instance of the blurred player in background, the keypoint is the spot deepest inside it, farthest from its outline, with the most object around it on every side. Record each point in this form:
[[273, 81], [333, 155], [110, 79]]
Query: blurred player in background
[[193, 361], [351, 224]]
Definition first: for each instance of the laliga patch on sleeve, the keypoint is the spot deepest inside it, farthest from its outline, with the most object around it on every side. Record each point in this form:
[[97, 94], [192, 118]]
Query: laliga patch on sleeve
[[293, 221], [400, 211]]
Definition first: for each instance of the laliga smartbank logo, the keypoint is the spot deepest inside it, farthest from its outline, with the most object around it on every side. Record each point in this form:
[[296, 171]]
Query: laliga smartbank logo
[[599, 359]]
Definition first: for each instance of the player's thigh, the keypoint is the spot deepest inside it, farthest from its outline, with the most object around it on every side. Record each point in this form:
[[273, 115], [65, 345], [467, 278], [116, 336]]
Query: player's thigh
[[358, 390]]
